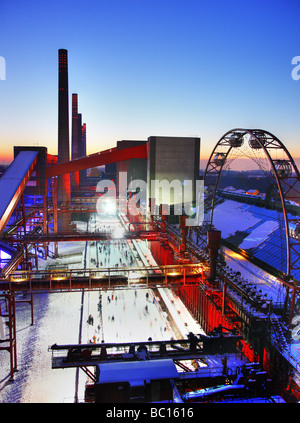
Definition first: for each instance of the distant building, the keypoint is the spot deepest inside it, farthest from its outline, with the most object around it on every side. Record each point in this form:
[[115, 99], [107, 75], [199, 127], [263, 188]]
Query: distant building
[[229, 189], [170, 159], [252, 192], [136, 169], [111, 171]]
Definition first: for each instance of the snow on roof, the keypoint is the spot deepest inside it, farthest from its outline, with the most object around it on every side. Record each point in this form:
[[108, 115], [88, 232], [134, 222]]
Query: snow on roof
[[231, 216], [12, 178], [259, 234], [230, 188], [134, 371]]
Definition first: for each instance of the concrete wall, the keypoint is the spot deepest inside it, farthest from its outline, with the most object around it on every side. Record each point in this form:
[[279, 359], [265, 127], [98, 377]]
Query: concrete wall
[[172, 158]]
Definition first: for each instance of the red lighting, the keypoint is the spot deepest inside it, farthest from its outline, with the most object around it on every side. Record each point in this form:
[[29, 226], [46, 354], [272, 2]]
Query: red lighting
[[109, 156]]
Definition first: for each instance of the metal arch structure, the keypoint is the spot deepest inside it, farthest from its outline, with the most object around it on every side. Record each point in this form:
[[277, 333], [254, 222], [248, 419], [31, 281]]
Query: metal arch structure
[[284, 171]]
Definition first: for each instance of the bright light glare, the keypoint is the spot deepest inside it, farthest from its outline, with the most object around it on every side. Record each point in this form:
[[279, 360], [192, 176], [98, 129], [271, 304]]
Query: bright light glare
[[134, 276], [109, 207], [118, 233]]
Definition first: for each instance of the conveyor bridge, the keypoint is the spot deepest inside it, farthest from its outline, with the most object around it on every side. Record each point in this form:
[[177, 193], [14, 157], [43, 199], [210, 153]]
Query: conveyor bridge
[[106, 278], [79, 355], [13, 183]]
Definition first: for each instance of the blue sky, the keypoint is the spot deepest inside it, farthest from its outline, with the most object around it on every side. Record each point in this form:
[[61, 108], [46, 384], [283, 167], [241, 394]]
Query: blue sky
[[150, 67]]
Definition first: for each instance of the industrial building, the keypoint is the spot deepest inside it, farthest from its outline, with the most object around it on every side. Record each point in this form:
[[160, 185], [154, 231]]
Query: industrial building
[[247, 330]]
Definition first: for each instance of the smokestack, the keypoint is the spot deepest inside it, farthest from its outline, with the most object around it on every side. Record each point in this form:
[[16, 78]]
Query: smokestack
[[64, 189], [63, 107], [76, 136], [82, 173], [83, 139], [74, 126]]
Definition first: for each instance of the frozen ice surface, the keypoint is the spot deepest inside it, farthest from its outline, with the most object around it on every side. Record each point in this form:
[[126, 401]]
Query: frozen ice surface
[[57, 320], [126, 316]]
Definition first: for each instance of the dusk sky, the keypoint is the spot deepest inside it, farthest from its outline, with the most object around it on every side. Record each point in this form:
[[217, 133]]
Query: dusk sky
[[150, 67]]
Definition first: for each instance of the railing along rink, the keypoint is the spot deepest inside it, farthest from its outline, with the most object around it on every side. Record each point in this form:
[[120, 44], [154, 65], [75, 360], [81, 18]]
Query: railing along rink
[[106, 278]]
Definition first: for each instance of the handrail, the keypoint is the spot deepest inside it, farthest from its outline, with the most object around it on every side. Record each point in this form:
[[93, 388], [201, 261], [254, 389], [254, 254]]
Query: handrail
[[178, 268], [110, 277]]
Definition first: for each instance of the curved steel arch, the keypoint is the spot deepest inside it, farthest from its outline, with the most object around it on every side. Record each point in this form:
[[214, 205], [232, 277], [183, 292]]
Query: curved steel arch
[[285, 172]]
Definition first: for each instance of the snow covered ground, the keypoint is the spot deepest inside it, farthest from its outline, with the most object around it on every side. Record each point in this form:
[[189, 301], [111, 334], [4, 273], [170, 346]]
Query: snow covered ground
[[62, 318], [56, 319]]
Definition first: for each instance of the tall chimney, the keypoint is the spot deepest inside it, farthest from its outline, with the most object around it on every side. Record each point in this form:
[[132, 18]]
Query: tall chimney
[[63, 107], [82, 173], [64, 189], [76, 137]]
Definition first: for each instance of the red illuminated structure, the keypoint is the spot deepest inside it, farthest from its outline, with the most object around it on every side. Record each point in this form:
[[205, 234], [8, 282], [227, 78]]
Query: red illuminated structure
[[76, 136], [213, 244], [210, 294], [98, 159]]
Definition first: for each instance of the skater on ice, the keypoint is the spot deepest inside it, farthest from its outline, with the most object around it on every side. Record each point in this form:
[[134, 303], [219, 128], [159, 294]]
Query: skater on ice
[[90, 320]]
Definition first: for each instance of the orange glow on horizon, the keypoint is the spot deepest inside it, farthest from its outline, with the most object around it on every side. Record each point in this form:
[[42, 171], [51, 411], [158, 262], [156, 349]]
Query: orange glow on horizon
[[7, 154], [6, 158]]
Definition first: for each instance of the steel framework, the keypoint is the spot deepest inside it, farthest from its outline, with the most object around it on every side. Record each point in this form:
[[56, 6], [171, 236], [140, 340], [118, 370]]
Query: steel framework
[[57, 280], [195, 346], [98, 159]]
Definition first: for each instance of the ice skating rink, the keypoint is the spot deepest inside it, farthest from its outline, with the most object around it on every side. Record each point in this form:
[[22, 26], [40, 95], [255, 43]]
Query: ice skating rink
[[123, 315], [127, 315], [62, 318]]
